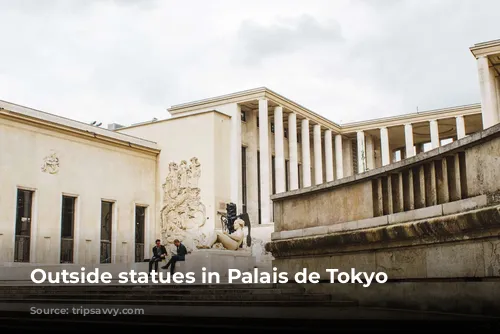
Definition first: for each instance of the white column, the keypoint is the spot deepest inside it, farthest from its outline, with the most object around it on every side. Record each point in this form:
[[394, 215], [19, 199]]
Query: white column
[[328, 155], [306, 154], [236, 177], [370, 152], [488, 94], [252, 141], [361, 152], [339, 162], [318, 158], [410, 149], [384, 146], [460, 127], [434, 133], [279, 150], [292, 151], [265, 204], [348, 158]]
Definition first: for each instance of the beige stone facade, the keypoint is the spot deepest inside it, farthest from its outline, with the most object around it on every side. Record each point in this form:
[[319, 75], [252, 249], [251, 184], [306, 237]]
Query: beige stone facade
[[249, 145]]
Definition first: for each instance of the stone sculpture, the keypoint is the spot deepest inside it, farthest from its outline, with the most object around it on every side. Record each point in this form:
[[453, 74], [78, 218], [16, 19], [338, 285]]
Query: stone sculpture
[[194, 172], [183, 174], [50, 164], [228, 241], [183, 213]]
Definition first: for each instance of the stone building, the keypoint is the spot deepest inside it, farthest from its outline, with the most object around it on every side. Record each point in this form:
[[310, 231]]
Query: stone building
[[79, 193]]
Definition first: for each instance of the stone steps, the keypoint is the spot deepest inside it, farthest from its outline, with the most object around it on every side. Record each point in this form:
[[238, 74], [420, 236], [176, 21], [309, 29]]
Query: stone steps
[[114, 296], [160, 294], [155, 291], [142, 302]]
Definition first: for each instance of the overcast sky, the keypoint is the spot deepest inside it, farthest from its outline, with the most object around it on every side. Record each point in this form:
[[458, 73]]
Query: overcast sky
[[127, 61]]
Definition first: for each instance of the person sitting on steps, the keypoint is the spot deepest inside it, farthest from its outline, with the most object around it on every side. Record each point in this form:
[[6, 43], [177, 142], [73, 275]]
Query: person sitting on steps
[[159, 253], [181, 256]]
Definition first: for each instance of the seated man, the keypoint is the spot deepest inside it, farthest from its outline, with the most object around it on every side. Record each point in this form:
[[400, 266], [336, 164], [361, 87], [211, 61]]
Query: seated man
[[159, 253], [181, 256]]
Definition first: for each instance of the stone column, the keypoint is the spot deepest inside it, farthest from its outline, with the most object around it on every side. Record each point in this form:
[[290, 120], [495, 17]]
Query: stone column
[[339, 162], [434, 133], [318, 159], [348, 158], [236, 177], [370, 152], [279, 150], [265, 175], [488, 95], [410, 149], [460, 127], [384, 146], [292, 151], [361, 151], [328, 155], [306, 154], [252, 140]]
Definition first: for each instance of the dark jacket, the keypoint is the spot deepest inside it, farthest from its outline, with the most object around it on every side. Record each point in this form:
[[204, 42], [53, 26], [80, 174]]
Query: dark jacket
[[181, 251], [158, 251]]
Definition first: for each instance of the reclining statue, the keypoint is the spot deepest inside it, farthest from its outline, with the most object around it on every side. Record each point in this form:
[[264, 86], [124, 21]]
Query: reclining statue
[[229, 241]]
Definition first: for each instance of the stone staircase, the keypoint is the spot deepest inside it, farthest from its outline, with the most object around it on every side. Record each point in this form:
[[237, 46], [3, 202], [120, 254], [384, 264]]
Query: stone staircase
[[262, 308], [289, 294]]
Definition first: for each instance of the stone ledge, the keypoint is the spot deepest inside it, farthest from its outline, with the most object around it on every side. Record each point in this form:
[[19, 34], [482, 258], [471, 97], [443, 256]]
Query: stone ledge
[[479, 223], [413, 215]]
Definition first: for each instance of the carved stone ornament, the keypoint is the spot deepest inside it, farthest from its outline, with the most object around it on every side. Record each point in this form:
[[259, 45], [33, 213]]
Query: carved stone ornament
[[50, 164], [183, 213]]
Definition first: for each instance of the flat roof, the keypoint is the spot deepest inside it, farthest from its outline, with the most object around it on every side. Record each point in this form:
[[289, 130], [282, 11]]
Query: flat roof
[[264, 92], [37, 116]]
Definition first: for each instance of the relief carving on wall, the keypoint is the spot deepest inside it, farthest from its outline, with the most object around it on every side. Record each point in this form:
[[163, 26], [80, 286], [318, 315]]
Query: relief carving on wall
[[50, 164], [183, 213]]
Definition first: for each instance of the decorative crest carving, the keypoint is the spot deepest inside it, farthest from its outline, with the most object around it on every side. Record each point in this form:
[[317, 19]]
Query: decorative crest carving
[[50, 164]]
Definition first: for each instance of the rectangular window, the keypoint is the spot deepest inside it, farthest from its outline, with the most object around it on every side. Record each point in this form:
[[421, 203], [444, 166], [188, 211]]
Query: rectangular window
[[287, 175], [23, 225], [285, 132], [299, 137], [244, 178], [273, 174], [67, 229], [243, 116], [257, 121], [140, 227], [106, 228], [258, 185], [272, 127]]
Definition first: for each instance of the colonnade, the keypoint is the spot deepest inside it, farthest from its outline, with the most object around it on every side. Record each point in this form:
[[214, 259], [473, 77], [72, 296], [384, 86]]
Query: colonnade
[[365, 145], [307, 153], [314, 156]]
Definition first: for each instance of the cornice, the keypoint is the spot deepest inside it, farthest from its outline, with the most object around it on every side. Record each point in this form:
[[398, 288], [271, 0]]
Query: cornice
[[399, 120], [67, 126], [485, 48], [238, 97]]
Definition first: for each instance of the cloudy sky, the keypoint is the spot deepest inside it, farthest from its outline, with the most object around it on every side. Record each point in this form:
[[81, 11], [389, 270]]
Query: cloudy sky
[[127, 61]]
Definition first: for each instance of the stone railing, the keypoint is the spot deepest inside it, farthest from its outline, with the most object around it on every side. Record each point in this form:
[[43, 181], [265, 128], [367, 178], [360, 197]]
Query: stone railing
[[446, 180]]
